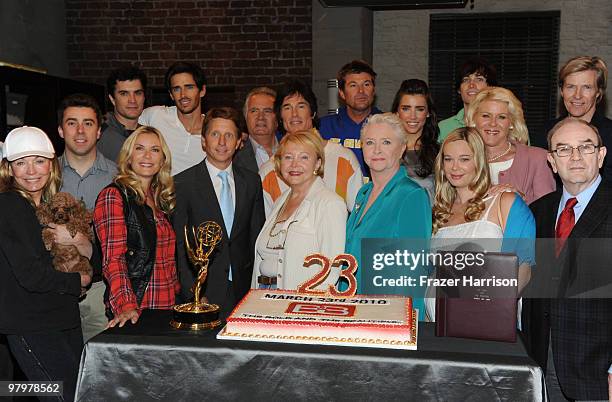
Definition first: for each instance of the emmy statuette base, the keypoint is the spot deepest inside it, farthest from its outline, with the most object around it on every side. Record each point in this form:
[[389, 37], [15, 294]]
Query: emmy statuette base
[[195, 316]]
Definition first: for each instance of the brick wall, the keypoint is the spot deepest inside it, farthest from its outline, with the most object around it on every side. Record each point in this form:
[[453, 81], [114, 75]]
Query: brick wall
[[240, 44]]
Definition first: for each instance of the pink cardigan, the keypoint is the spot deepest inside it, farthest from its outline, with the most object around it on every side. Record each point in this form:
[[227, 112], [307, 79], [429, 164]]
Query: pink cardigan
[[529, 173]]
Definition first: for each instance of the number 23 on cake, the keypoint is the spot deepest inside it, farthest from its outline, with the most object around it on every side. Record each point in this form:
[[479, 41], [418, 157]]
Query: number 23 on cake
[[323, 318]]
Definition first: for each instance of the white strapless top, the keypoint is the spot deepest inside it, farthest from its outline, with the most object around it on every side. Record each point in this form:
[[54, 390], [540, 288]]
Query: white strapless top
[[483, 228]]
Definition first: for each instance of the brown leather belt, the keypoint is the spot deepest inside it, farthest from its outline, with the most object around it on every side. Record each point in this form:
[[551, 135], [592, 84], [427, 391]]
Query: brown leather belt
[[266, 280]]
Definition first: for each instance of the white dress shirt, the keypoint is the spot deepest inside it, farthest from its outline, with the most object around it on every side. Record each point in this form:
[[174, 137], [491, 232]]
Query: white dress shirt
[[261, 155], [213, 171]]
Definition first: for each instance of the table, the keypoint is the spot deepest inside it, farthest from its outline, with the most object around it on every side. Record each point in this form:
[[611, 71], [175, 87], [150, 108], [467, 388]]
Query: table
[[152, 361]]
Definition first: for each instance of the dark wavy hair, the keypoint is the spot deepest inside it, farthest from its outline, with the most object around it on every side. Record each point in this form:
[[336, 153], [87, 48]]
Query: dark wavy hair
[[477, 65], [292, 88], [429, 137], [354, 67], [125, 73], [185, 67]]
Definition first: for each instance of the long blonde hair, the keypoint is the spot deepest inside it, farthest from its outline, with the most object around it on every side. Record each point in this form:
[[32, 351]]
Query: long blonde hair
[[162, 184], [8, 183], [446, 193], [519, 133]]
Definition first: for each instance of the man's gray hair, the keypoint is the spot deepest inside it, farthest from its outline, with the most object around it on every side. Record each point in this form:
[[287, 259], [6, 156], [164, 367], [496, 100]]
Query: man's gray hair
[[257, 91]]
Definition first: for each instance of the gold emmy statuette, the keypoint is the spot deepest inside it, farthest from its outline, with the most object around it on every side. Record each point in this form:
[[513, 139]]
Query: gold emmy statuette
[[199, 314]]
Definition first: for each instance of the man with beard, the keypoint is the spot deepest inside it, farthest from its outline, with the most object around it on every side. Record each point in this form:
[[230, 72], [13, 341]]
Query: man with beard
[[181, 124], [126, 88], [357, 88]]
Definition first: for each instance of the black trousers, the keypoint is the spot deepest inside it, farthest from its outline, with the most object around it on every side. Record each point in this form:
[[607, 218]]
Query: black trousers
[[50, 356], [6, 364]]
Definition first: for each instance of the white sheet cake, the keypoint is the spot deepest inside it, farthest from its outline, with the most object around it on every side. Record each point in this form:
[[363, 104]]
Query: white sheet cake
[[288, 316]]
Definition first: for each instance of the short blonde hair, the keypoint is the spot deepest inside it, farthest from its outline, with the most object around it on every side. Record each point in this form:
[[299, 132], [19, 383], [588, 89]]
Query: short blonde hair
[[162, 184], [445, 193], [8, 183], [308, 138], [519, 133], [392, 120]]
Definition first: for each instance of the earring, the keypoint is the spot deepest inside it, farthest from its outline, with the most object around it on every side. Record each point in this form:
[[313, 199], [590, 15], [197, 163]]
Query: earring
[[316, 172], [511, 127]]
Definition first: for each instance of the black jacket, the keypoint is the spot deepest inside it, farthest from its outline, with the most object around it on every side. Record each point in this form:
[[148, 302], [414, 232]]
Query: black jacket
[[34, 297], [196, 202], [580, 328], [245, 158], [141, 242]]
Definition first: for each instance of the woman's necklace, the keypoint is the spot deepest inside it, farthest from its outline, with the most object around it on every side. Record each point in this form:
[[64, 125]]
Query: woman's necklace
[[496, 157]]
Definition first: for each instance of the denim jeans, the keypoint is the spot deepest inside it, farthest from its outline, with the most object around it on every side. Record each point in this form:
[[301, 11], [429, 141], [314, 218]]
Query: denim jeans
[[269, 287], [50, 356]]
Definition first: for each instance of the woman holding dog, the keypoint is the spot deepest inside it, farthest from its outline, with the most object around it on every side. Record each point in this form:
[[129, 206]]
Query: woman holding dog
[[40, 312], [132, 224]]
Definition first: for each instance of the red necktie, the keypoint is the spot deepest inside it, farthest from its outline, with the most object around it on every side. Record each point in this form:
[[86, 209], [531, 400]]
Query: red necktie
[[565, 224]]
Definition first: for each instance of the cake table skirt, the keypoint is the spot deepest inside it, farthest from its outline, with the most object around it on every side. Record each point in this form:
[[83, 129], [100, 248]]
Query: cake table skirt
[[152, 361]]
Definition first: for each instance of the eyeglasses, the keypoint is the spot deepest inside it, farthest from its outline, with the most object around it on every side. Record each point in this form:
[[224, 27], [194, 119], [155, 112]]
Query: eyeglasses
[[584, 149], [276, 240]]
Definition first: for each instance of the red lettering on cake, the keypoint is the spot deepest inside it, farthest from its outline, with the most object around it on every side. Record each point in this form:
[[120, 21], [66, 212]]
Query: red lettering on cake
[[336, 310]]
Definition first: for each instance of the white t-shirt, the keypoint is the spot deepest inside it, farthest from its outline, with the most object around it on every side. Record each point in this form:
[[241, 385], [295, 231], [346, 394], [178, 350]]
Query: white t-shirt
[[186, 148]]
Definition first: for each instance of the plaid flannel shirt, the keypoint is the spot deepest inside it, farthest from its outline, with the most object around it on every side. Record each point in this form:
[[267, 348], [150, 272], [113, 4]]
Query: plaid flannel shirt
[[110, 226]]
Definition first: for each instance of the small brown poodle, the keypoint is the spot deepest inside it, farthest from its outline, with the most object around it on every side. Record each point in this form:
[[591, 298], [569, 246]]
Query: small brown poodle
[[64, 209]]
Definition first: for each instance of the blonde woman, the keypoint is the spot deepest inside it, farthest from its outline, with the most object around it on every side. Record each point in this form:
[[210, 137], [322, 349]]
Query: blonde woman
[[137, 239], [307, 218], [463, 208], [40, 311], [513, 165]]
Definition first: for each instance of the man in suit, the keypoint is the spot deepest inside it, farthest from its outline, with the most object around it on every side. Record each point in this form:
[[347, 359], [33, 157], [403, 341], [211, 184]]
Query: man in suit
[[261, 126], [217, 190], [570, 336]]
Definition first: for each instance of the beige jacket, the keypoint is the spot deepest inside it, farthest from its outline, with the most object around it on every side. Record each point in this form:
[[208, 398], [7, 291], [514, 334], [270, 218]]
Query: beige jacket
[[320, 227]]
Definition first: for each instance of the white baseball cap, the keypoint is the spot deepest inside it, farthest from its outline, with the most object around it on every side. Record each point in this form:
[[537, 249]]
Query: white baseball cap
[[27, 141]]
